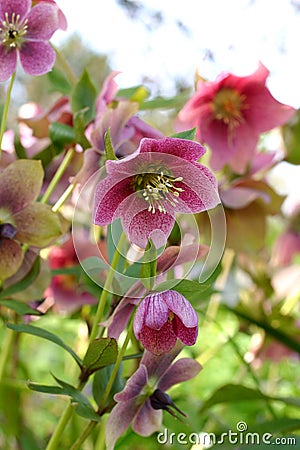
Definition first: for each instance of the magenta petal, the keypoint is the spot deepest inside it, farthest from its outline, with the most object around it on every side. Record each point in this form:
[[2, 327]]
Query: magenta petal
[[108, 197], [147, 420], [37, 57], [14, 6], [119, 420], [182, 370], [42, 22], [152, 312], [181, 307], [134, 385], [182, 148], [8, 62], [158, 364]]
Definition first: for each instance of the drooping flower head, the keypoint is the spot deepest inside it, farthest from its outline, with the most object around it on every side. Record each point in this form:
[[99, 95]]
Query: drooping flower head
[[142, 400], [230, 113], [146, 188], [26, 31], [161, 318]]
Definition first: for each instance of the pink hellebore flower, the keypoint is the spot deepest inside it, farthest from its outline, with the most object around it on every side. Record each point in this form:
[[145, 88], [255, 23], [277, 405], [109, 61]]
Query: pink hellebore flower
[[26, 30], [143, 398], [230, 113], [146, 188], [161, 318], [62, 21]]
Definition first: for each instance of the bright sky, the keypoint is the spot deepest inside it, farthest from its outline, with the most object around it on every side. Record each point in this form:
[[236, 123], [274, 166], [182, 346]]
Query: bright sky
[[237, 32]]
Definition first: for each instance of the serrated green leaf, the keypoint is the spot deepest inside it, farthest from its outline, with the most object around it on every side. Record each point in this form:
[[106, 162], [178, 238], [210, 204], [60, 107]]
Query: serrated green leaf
[[44, 334], [101, 352], [24, 283], [109, 149], [191, 290], [161, 102], [79, 129], [188, 134], [61, 134], [84, 96], [59, 82]]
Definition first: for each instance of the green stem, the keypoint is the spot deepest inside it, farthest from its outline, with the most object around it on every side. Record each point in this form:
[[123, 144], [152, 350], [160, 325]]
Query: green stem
[[5, 110], [55, 438], [6, 351], [59, 173], [63, 198], [105, 291], [91, 425], [65, 67]]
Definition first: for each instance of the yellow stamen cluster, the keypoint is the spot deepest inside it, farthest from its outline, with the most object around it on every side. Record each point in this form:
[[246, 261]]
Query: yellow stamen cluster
[[158, 188], [228, 106], [11, 31]]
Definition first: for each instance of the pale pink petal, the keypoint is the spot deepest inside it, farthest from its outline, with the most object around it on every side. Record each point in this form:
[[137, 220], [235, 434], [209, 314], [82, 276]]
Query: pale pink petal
[[240, 197], [181, 307], [119, 420], [147, 420], [158, 364], [8, 62], [14, 6], [37, 57], [42, 22], [134, 385], [152, 312], [182, 370]]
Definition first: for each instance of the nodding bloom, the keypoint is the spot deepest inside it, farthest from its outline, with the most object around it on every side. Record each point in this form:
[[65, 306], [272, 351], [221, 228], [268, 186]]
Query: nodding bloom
[[230, 113], [143, 398], [147, 188], [161, 318], [26, 31]]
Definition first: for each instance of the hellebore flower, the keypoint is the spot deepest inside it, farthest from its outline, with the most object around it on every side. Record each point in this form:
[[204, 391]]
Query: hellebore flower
[[62, 21], [142, 400], [26, 30], [146, 188], [22, 220], [230, 113], [161, 318]]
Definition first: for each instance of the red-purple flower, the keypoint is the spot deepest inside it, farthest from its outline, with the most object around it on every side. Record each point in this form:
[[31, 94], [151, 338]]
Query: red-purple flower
[[142, 400], [26, 31], [163, 317], [230, 113], [146, 188]]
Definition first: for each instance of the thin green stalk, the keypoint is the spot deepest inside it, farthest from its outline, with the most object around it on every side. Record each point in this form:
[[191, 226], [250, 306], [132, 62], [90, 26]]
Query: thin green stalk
[[105, 291], [5, 110], [6, 351], [91, 425], [63, 198], [63, 421], [65, 66], [59, 173]]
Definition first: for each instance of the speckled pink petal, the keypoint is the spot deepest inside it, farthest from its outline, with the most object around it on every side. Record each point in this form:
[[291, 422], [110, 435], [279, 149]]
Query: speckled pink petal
[[147, 420], [152, 312], [187, 335], [42, 22], [181, 307], [8, 62], [160, 341], [37, 57], [109, 195], [14, 6], [134, 385], [183, 148], [182, 370]]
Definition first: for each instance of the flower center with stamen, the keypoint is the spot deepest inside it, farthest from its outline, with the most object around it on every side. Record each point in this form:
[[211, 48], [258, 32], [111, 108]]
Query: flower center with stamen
[[12, 31], [157, 187], [228, 106]]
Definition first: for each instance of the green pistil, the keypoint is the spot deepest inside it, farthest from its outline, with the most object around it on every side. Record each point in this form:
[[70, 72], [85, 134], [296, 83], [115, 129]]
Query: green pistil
[[157, 188], [11, 31]]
